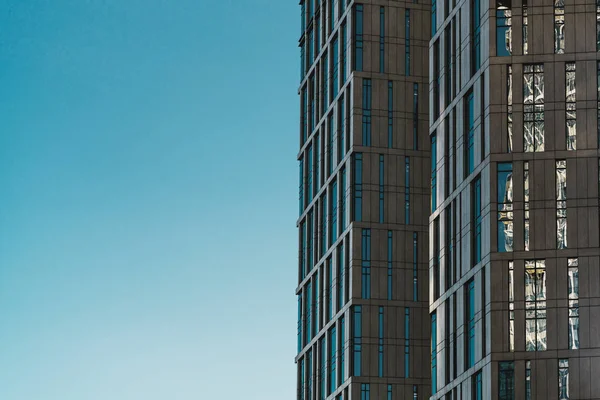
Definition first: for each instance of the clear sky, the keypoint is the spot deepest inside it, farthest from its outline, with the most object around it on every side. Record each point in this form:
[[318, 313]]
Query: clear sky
[[148, 199]]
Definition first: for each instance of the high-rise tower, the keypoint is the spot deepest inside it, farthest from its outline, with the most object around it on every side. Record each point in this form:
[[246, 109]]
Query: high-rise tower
[[514, 123], [363, 295]]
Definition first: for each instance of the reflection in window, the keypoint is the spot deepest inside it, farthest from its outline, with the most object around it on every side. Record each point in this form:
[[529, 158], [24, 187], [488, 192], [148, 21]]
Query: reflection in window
[[505, 207], [308, 317], [526, 202], [330, 134], [503, 27], [535, 305], [389, 392], [356, 340], [329, 290], [406, 342], [470, 315], [563, 379], [343, 200], [303, 234], [510, 110], [511, 305], [344, 44], [341, 267], [561, 204], [366, 264], [324, 218], [341, 130], [533, 99], [525, 28], [304, 114], [415, 392], [380, 344], [573, 303], [436, 259], [335, 80], [506, 380], [325, 83], [571, 106], [433, 17], [527, 380], [433, 353], [559, 26], [301, 187], [299, 322], [366, 111]]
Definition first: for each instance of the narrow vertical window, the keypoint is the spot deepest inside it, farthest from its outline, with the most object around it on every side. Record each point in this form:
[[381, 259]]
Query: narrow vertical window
[[302, 373], [505, 207], [563, 379], [476, 234], [381, 39], [561, 204], [325, 83], [533, 110], [317, 161], [329, 294], [302, 60], [366, 264], [304, 114], [511, 305], [332, 360], [436, 79], [477, 386], [358, 38], [406, 342], [308, 317], [433, 17], [436, 259], [343, 199], [335, 80], [415, 116], [449, 246], [356, 340], [433, 172], [341, 352], [390, 113], [341, 267], [598, 92], [309, 174], [302, 17], [433, 353], [309, 45], [527, 380], [526, 203], [303, 234], [318, 34], [299, 322], [324, 218], [390, 253], [525, 25], [407, 42], [535, 305], [380, 344], [301, 187], [334, 212], [389, 392], [341, 130], [475, 36], [407, 190], [332, 15], [503, 28], [366, 111], [571, 106], [415, 392], [415, 266], [322, 368], [506, 380], [470, 314], [470, 124], [358, 187], [309, 373], [559, 26], [448, 62], [381, 188], [310, 245], [509, 110], [317, 292], [573, 303], [343, 43], [365, 391], [330, 134]]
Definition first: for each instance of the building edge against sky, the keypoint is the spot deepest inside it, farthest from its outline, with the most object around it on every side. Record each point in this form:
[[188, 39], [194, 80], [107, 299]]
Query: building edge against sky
[[363, 318]]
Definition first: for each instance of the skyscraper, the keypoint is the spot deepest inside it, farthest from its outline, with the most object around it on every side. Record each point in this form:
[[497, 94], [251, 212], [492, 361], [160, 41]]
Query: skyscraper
[[514, 116], [363, 303]]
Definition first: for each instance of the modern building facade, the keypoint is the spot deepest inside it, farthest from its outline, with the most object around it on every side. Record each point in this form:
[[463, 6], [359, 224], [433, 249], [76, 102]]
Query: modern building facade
[[514, 253], [363, 296]]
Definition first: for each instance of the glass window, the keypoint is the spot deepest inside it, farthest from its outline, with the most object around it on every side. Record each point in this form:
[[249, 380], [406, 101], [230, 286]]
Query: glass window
[[309, 174], [302, 61], [380, 344], [470, 323], [433, 353], [381, 188], [381, 39], [309, 373], [332, 360], [329, 294], [559, 26], [561, 204], [506, 380], [324, 218], [503, 27], [525, 25], [433, 172], [415, 265], [322, 368], [505, 207], [511, 305], [334, 211], [573, 303], [358, 38], [475, 36], [341, 351], [356, 340], [390, 113], [325, 84], [407, 42], [390, 252], [302, 373], [571, 106], [301, 187], [310, 245], [309, 45], [344, 45], [528, 380], [533, 109], [343, 199], [476, 204], [334, 69], [406, 342], [300, 323], [563, 379], [470, 124], [341, 130], [341, 267], [415, 116], [304, 114], [303, 235], [477, 387], [433, 17], [509, 110], [309, 307], [436, 259], [365, 391], [358, 187], [366, 111], [535, 305], [526, 204], [415, 392], [389, 392], [331, 15], [407, 190], [366, 264]]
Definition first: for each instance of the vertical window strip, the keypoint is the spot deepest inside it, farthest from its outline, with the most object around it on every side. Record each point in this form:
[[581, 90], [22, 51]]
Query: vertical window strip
[[358, 38], [561, 204], [341, 352], [535, 305], [597, 25], [300, 341], [563, 379], [382, 39], [533, 115], [511, 305], [571, 106], [559, 26], [301, 187], [433, 353], [330, 133], [527, 380], [407, 42], [509, 108], [329, 294], [341, 130], [332, 359], [436, 259], [433, 17], [365, 391], [390, 113], [526, 203], [598, 85], [310, 245], [358, 161], [331, 15], [449, 246], [470, 313], [335, 81], [390, 253], [407, 190], [302, 60], [302, 373], [475, 36], [366, 111], [343, 193], [525, 27], [366, 264], [309, 174], [334, 212], [503, 28], [470, 123], [415, 392], [317, 162], [324, 218], [415, 116], [380, 344], [309, 372], [436, 79], [322, 368], [477, 211], [415, 267], [313, 111], [356, 340], [406, 342], [573, 277], [381, 188], [340, 276], [389, 392], [478, 386], [325, 83], [344, 44], [303, 234], [304, 114], [505, 207]]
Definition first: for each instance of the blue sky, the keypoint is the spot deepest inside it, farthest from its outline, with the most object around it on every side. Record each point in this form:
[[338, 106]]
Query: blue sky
[[148, 198]]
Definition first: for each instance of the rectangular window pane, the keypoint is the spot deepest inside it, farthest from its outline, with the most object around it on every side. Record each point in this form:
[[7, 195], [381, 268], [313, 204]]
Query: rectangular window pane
[[571, 106], [533, 108], [366, 113], [366, 264], [535, 305], [561, 204], [356, 340], [503, 28], [563, 379], [433, 353], [506, 380], [358, 38], [505, 207]]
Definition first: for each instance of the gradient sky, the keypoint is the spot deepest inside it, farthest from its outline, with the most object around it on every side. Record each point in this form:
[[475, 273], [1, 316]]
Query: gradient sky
[[148, 199]]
